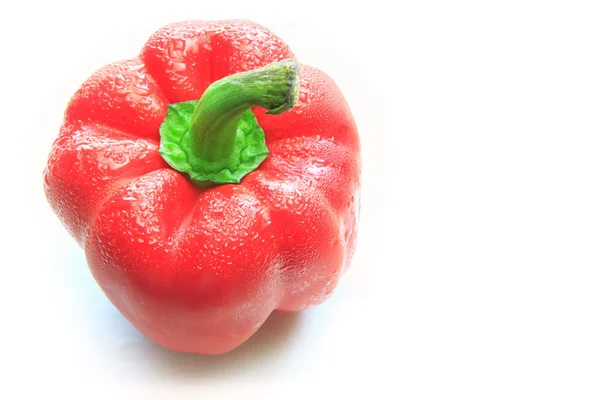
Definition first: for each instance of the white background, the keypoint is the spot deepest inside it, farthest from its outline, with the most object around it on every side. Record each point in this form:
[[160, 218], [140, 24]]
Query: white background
[[477, 274]]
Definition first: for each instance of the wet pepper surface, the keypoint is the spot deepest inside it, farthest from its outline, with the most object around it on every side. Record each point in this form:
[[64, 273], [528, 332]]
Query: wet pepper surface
[[200, 268]]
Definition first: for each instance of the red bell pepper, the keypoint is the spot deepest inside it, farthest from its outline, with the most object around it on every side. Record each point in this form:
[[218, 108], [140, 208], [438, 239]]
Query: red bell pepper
[[210, 180]]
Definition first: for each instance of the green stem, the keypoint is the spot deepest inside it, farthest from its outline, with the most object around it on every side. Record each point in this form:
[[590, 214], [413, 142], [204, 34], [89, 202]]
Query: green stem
[[217, 139], [217, 115]]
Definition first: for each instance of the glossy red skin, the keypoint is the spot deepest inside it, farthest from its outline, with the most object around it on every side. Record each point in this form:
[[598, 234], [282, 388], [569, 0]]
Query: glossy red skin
[[200, 270]]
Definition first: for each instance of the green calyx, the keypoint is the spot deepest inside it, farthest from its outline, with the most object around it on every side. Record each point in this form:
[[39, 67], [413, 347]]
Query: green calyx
[[217, 139]]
